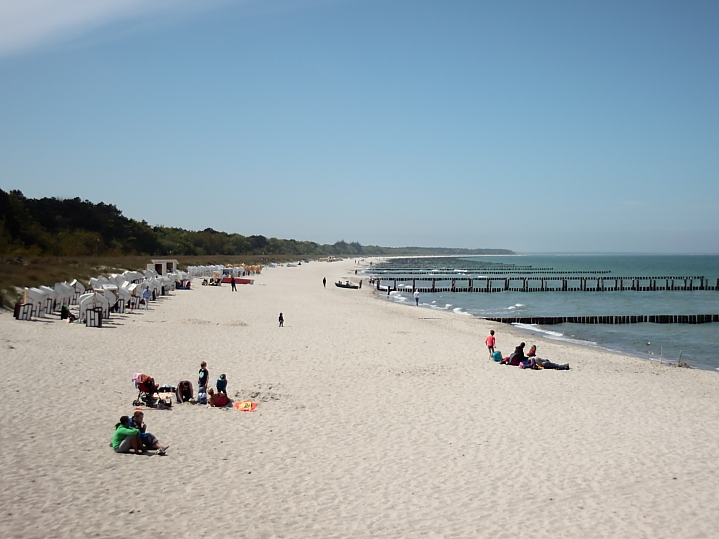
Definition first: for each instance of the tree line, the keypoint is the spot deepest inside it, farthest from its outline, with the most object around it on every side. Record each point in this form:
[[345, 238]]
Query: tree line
[[75, 227]]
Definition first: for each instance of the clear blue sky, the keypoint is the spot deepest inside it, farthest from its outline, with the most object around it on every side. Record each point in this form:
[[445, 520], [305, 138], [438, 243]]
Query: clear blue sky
[[533, 126]]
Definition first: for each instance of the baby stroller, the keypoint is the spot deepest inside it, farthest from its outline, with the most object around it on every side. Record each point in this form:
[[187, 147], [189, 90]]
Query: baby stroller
[[147, 390]]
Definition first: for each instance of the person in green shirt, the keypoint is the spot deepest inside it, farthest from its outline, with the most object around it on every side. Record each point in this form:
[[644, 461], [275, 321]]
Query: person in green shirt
[[125, 438]]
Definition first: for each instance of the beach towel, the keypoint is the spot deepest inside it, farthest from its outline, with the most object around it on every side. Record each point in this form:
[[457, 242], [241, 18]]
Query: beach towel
[[245, 406]]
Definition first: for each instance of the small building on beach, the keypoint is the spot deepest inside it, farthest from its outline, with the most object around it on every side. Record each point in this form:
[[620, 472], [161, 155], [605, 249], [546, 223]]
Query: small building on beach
[[163, 266]]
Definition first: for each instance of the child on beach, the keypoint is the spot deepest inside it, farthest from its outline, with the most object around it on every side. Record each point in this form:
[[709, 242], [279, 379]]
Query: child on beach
[[221, 384], [282, 320], [203, 375], [489, 341]]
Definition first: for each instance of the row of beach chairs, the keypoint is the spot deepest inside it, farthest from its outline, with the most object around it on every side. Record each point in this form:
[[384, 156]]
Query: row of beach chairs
[[114, 293]]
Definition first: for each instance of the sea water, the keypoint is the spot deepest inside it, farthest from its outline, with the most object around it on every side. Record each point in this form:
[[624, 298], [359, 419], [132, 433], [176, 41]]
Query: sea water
[[696, 344]]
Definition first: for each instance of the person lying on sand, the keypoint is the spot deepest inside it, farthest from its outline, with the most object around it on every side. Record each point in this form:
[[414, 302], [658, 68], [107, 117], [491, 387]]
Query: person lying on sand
[[532, 361], [125, 438], [546, 364], [148, 439]]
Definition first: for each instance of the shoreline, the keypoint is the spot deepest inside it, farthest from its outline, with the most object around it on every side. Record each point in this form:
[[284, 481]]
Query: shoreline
[[696, 342], [540, 334], [372, 420]]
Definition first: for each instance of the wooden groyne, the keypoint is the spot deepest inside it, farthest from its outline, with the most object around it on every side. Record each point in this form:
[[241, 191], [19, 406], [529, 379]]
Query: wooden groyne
[[655, 319], [476, 267], [391, 274], [564, 283]]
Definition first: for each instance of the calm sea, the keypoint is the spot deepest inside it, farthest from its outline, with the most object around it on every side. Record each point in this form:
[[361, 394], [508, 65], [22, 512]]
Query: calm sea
[[697, 344]]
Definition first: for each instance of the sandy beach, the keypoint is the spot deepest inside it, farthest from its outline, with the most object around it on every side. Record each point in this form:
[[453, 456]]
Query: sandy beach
[[374, 420]]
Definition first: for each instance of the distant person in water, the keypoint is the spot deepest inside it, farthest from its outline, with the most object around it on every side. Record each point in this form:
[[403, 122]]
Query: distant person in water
[[282, 320]]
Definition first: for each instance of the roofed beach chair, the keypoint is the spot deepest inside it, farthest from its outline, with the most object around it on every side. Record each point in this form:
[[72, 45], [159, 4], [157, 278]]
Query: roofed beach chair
[[38, 299]]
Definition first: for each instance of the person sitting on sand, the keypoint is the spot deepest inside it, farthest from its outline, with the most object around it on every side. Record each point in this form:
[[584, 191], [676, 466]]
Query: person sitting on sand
[[184, 392], [148, 440], [126, 438], [65, 314], [517, 356], [529, 361], [217, 400]]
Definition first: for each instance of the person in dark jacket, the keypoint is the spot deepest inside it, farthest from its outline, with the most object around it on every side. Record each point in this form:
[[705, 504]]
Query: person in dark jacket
[[517, 356], [221, 384]]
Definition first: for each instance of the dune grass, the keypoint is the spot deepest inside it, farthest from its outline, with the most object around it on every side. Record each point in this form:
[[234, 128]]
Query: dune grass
[[18, 272]]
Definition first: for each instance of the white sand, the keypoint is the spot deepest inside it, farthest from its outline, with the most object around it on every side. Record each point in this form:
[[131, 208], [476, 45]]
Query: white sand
[[374, 420]]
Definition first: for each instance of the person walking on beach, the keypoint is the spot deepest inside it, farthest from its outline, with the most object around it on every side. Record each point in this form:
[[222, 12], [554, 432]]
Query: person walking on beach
[[324, 282], [282, 320], [490, 341], [146, 295], [232, 282], [416, 297]]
